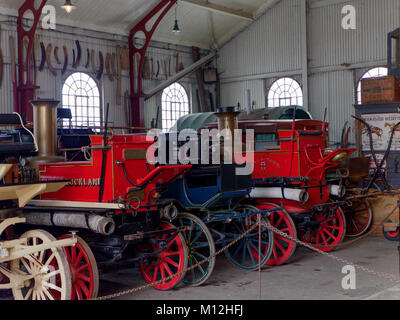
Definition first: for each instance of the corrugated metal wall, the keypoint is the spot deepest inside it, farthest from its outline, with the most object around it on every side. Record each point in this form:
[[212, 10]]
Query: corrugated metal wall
[[271, 47], [51, 86]]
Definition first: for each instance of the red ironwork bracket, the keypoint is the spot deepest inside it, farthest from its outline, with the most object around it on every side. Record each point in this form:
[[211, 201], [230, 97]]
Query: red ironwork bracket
[[26, 90], [136, 82]]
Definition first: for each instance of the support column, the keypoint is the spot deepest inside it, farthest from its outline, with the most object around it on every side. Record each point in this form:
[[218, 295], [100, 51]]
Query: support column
[[137, 56], [26, 90], [304, 73]]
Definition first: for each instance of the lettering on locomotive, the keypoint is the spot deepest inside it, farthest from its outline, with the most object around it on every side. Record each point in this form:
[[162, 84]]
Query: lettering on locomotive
[[83, 182]]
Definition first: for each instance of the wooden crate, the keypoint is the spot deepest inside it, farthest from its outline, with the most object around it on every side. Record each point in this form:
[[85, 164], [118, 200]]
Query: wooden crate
[[381, 207], [382, 89]]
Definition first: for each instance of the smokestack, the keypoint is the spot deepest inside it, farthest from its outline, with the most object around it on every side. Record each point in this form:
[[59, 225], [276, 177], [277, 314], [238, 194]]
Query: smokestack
[[227, 123], [45, 131]]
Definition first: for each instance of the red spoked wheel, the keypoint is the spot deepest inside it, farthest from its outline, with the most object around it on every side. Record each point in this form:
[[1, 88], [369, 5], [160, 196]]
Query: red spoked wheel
[[392, 235], [171, 261], [358, 217], [84, 271], [327, 233], [283, 248]]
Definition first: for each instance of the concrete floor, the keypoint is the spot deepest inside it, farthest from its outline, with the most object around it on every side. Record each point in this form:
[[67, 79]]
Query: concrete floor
[[309, 276]]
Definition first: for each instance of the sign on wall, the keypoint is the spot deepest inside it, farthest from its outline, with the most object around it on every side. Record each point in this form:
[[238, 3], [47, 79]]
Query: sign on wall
[[381, 127]]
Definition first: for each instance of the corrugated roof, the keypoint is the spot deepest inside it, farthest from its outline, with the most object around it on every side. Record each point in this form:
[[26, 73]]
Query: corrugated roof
[[202, 22]]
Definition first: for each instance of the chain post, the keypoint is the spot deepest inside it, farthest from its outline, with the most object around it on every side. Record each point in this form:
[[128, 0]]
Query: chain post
[[259, 256]]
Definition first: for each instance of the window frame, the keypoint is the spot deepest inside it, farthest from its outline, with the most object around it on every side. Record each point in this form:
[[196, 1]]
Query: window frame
[[171, 109], [279, 98], [77, 121]]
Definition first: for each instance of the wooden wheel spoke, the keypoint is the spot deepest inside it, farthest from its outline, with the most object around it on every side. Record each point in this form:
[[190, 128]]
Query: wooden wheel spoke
[[199, 265], [170, 261], [78, 260], [274, 252], [28, 294], [147, 270], [329, 234], [323, 237], [174, 253], [200, 255], [50, 259], [73, 253], [332, 227], [42, 296], [162, 271], [168, 269], [78, 291], [237, 249], [155, 274], [81, 268], [48, 294], [27, 266], [279, 222], [244, 253], [197, 236], [190, 231], [51, 286], [85, 289], [278, 237], [281, 248], [317, 237], [257, 251], [52, 274], [83, 277]]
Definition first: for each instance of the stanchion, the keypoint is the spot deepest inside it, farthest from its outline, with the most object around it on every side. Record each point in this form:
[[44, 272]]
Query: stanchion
[[259, 257]]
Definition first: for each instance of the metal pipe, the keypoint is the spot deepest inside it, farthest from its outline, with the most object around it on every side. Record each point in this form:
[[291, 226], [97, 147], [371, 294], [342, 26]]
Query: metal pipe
[[280, 193], [45, 126], [96, 223]]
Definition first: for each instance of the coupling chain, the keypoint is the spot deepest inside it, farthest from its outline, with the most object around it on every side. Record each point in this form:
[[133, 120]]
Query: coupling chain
[[129, 291]]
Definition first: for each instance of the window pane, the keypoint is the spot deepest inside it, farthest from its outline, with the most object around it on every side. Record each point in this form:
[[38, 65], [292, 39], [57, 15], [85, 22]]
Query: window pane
[[285, 92], [82, 99], [174, 105]]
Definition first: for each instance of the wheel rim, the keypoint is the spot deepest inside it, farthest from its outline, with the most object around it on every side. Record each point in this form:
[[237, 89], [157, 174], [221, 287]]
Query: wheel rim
[[3, 278], [283, 248], [358, 218], [245, 253], [51, 278], [83, 268], [329, 234], [201, 246], [393, 234], [173, 260]]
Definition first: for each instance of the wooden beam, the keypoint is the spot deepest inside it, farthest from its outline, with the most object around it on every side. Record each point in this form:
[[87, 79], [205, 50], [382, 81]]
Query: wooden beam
[[181, 74], [220, 9]]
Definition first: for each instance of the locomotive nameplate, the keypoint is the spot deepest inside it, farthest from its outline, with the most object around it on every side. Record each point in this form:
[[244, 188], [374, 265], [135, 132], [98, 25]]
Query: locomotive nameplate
[[137, 154]]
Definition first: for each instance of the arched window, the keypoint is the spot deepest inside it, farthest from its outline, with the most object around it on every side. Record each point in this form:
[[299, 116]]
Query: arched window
[[285, 92], [81, 94], [175, 104], [372, 73]]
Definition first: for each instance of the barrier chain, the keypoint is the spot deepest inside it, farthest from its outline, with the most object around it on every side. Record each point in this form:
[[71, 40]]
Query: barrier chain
[[267, 225]]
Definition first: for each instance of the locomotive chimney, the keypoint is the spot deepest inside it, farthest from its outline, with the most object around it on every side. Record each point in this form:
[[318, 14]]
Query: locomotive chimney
[[45, 131], [227, 122], [45, 126]]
